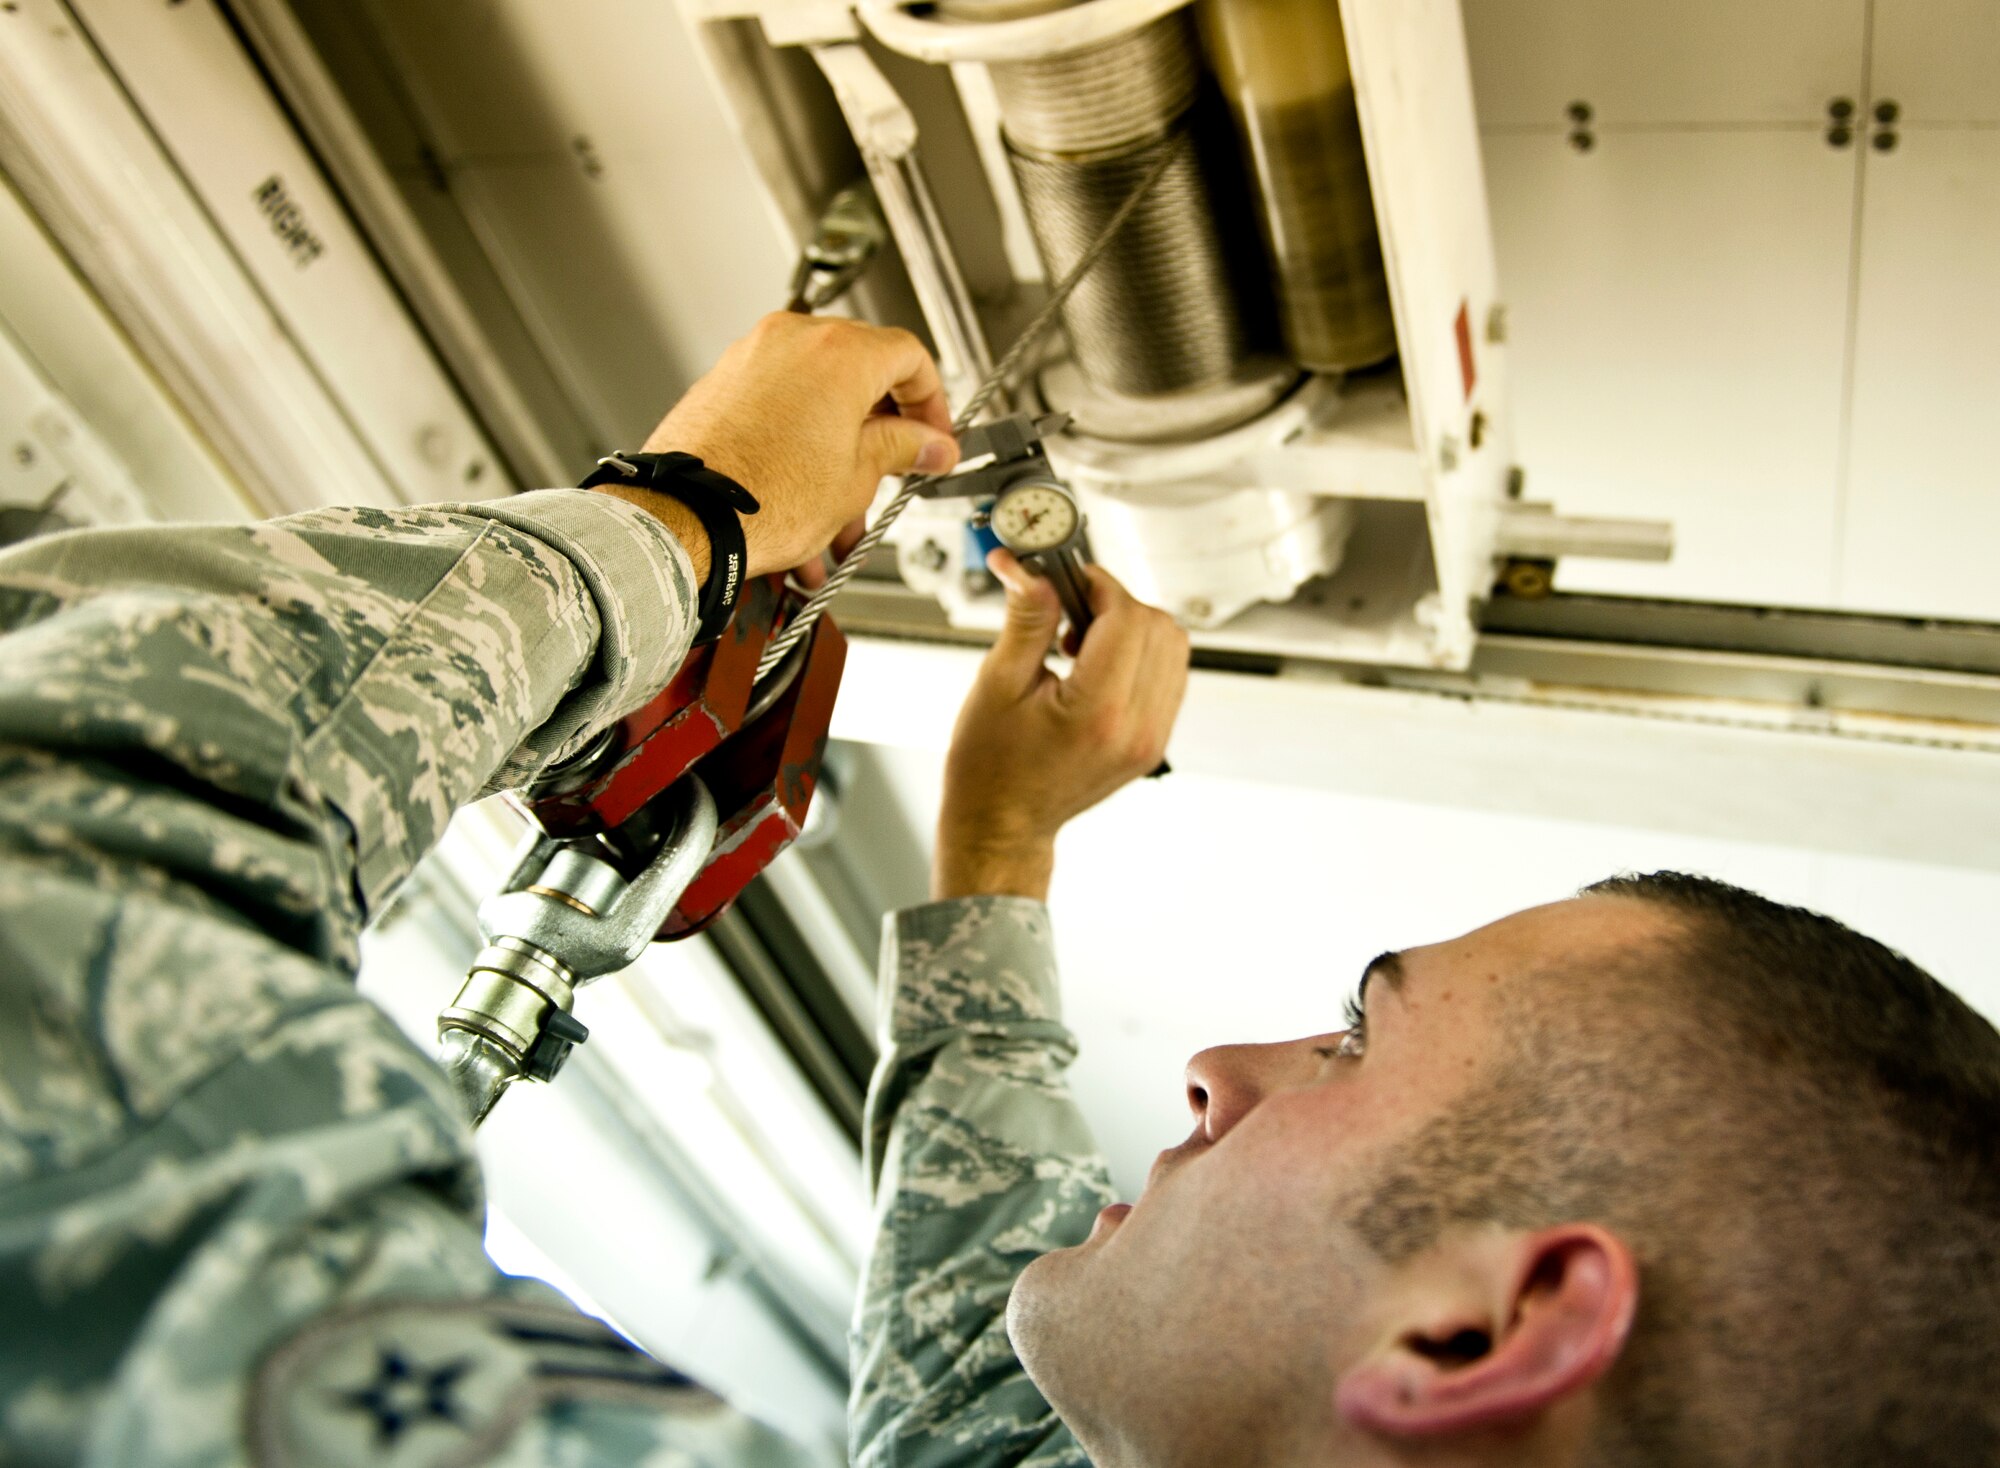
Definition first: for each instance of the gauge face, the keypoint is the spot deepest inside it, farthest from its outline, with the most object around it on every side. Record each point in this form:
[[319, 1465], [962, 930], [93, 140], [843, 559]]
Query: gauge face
[[1035, 517]]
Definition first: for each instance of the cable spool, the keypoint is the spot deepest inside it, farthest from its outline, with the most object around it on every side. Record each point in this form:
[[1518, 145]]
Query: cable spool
[[1171, 333]]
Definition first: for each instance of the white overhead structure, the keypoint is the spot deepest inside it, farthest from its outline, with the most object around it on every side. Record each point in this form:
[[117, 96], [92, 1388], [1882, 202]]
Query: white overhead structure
[[1287, 376], [513, 229]]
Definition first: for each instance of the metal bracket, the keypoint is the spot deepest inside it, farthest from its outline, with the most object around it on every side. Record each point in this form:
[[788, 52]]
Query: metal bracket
[[849, 235], [564, 917]]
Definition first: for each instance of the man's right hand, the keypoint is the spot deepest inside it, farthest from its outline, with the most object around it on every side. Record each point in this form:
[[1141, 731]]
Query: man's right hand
[[1032, 750], [797, 412]]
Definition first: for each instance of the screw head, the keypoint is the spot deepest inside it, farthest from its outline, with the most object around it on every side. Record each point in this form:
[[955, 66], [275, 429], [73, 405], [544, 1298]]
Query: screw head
[[1887, 111], [1580, 112], [1885, 142], [931, 556], [1840, 108], [1529, 580], [1582, 141], [1199, 608], [1839, 137]]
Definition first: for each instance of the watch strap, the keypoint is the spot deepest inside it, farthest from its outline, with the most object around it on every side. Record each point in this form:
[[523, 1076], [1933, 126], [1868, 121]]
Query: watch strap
[[716, 500]]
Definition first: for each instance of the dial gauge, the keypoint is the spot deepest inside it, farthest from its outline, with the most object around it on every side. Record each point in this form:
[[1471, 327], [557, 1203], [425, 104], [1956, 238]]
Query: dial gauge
[[1035, 517]]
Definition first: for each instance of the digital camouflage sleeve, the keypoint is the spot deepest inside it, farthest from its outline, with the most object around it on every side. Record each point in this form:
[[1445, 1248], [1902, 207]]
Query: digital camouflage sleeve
[[239, 1218], [979, 1161]]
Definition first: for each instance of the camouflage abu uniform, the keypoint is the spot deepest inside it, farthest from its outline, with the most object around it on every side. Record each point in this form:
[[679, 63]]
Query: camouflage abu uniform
[[239, 1218], [980, 1161]]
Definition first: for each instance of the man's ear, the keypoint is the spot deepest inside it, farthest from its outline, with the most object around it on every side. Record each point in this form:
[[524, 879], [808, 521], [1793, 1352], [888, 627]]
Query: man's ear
[[1556, 1317]]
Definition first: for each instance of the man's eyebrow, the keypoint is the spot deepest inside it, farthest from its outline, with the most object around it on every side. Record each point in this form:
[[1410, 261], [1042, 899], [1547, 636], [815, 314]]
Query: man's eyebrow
[[1389, 966]]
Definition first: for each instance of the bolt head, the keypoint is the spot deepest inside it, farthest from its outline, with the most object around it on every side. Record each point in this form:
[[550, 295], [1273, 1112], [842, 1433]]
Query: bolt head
[[1840, 108], [1839, 137], [1887, 111], [1885, 142]]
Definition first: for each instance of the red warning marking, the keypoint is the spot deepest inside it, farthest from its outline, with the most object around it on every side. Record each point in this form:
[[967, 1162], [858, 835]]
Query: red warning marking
[[1466, 371]]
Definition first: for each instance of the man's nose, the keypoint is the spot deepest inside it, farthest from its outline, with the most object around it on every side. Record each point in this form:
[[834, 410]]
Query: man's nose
[[1225, 1084]]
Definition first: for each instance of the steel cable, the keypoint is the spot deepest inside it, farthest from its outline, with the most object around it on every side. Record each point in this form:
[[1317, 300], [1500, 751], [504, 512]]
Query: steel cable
[[1030, 337]]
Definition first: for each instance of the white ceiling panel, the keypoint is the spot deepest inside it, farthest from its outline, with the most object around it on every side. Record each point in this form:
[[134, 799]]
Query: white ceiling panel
[[1922, 528], [1682, 63], [1676, 324], [1939, 60]]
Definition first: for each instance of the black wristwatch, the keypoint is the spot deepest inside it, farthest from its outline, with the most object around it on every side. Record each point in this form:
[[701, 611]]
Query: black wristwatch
[[718, 502]]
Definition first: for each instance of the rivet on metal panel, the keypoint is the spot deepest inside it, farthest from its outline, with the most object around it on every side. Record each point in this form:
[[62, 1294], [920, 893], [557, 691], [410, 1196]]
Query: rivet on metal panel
[[1887, 111], [1198, 608], [1840, 108], [1885, 141], [1496, 324], [1839, 137], [1583, 140], [1579, 112]]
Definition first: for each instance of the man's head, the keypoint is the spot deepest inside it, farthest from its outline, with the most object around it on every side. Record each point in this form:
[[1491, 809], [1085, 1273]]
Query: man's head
[[1666, 1173]]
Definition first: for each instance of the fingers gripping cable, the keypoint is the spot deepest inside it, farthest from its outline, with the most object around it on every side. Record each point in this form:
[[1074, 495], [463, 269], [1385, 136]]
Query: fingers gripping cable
[[1044, 319]]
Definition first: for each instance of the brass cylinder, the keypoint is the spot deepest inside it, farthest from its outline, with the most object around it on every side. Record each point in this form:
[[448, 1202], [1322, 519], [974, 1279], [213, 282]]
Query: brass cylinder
[[1282, 66]]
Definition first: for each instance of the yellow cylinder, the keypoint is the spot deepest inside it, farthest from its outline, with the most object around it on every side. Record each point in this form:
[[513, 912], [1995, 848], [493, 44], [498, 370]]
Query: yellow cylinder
[[1282, 65]]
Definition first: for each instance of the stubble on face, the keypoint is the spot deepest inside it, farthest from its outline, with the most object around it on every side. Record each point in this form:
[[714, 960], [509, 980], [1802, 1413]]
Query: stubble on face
[[1211, 1322]]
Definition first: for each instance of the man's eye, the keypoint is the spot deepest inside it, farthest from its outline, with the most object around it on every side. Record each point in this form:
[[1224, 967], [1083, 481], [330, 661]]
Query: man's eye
[[1353, 1044]]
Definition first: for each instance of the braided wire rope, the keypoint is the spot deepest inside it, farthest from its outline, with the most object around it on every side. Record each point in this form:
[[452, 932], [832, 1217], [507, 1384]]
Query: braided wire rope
[[1031, 336]]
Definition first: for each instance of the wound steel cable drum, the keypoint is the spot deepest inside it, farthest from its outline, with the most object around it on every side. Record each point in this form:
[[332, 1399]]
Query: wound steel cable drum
[[1158, 316], [1173, 323]]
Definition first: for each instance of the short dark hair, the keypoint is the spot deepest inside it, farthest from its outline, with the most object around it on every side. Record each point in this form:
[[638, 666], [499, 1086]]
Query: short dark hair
[[1798, 1131]]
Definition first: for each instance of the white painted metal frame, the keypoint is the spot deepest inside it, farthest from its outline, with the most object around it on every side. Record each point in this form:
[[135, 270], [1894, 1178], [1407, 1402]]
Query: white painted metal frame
[[204, 99], [544, 440], [342, 419], [75, 361]]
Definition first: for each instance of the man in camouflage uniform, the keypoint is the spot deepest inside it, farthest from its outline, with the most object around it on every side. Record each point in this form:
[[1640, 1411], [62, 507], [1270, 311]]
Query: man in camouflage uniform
[[240, 1217], [1667, 1174]]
